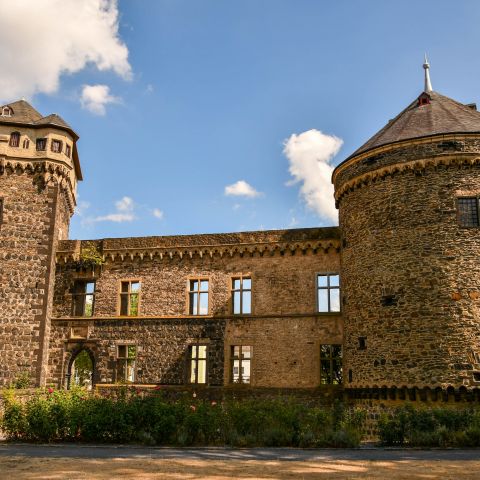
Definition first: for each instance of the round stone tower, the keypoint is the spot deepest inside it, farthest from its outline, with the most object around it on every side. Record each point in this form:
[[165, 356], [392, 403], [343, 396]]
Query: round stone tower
[[39, 171], [408, 203]]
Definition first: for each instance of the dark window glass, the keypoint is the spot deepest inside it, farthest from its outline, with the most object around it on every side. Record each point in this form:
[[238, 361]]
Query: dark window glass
[[197, 358], [330, 364], [242, 295], [26, 143], [83, 298], [241, 356], [68, 150], [468, 211], [15, 139], [328, 292], [41, 144], [1, 211], [129, 298]]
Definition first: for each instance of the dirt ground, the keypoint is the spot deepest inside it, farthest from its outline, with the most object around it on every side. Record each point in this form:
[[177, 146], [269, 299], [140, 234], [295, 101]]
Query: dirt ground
[[32, 468]]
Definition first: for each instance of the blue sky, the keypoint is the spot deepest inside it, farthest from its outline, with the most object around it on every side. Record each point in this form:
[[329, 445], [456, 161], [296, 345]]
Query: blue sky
[[212, 90]]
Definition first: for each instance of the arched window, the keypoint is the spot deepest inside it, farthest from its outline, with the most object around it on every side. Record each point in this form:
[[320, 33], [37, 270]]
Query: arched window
[[6, 112], [80, 372], [15, 139]]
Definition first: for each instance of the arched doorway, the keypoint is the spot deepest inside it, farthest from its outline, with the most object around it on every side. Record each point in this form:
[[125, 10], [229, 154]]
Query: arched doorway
[[80, 370]]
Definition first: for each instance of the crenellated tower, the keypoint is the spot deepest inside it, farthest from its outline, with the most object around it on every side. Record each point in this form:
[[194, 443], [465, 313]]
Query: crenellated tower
[[39, 171], [408, 203]]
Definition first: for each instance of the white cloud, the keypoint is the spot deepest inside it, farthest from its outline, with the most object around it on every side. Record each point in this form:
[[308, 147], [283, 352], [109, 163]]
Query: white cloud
[[94, 98], [124, 212], [157, 213], [41, 40], [241, 189], [310, 154], [81, 208]]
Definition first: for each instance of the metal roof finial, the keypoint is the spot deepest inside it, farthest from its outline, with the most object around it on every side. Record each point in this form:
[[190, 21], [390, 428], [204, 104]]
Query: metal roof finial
[[428, 83]]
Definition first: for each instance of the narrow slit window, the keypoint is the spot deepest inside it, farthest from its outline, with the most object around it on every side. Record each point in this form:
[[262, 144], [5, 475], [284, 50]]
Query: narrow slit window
[[26, 143], [129, 298], [1, 211], [68, 150]]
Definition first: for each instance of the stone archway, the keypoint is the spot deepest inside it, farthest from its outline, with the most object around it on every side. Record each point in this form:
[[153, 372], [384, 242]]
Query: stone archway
[[81, 369]]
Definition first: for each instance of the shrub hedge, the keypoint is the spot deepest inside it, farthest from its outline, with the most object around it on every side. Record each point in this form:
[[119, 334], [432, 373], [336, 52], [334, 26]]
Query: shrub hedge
[[76, 415], [436, 427]]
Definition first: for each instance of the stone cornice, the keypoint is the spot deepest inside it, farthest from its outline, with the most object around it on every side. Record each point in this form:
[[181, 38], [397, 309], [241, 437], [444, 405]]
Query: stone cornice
[[418, 165], [390, 148], [207, 251], [48, 172]]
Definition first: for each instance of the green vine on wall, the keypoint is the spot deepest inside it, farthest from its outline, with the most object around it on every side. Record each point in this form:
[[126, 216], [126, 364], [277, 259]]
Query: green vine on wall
[[90, 257]]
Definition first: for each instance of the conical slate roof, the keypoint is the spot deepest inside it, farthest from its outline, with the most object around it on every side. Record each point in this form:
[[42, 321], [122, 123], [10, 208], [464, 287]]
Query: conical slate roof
[[439, 115]]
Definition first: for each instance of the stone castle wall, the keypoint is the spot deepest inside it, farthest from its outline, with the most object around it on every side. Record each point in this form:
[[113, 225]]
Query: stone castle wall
[[411, 276], [284, 329]]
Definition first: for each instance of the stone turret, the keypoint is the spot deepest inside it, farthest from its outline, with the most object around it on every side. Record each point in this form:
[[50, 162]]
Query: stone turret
[[39, 170], [408, 203]]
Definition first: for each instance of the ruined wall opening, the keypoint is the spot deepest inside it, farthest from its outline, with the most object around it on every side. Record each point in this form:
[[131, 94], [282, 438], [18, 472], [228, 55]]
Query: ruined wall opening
[[81, 369]]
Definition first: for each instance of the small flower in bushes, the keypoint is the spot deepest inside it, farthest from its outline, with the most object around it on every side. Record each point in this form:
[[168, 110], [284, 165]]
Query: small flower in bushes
[[193, 408], [194, 395], [50, 390], [214, 403]]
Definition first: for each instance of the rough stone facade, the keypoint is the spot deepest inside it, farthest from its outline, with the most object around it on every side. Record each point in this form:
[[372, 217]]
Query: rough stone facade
[[411, 276], [409, 290]]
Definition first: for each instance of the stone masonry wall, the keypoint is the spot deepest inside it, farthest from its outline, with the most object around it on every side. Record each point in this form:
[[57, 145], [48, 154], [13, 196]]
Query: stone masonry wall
[[284, 329], [411, 278], [27, 242]]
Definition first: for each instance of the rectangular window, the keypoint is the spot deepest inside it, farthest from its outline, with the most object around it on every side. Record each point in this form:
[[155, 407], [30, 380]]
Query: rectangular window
[[68, 150], [242, 295], [197, 358], [467, 208], [15, 139], [41, 144], [328, 292], [126, 356], [83, 298], [129, 298], [56, 146], [1, 211], [198, 297], [330, 364], [241, 356]]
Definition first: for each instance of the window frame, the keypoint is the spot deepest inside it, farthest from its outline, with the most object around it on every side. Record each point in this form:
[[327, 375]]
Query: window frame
[[56, 142], [241, 360], [191, 361], [7, 111], [2, 205], [198, 291], [84, 294], [68, 150], [241, 290], [477, 204], [17, 136], [123, 361], [128, 294], [26, 143], [329, 289], [37, 141], [330, 358]]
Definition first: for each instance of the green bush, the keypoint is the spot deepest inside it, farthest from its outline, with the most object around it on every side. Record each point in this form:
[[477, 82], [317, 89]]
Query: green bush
[[435, 427], [129, 417]]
